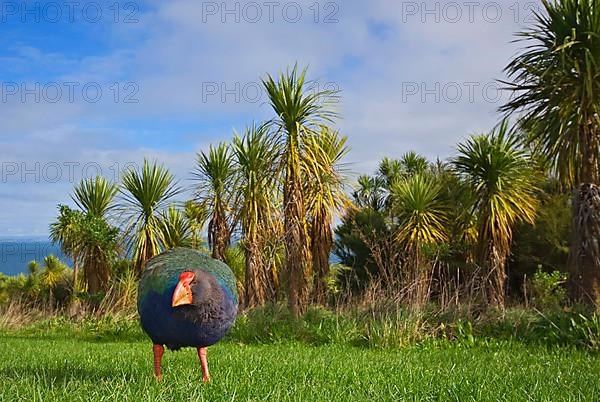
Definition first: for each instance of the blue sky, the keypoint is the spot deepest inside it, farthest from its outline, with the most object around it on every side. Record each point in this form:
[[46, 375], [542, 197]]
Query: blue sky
[[178, 75]]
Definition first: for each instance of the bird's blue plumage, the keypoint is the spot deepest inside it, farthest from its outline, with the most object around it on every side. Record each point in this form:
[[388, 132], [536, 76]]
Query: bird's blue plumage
[[200, 324]]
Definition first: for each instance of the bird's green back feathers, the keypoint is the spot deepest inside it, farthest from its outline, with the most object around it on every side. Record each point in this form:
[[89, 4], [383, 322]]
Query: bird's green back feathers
[[163, 270]]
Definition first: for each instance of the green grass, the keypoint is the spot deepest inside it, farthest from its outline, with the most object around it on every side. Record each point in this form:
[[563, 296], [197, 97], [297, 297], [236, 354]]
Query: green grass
[[62, 367]]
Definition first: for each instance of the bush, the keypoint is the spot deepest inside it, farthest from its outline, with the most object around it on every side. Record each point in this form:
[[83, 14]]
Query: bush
[[547, 289]]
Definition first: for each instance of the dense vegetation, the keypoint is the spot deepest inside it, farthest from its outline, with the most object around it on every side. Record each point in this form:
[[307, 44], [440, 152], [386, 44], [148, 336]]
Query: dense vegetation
[[512, 218]]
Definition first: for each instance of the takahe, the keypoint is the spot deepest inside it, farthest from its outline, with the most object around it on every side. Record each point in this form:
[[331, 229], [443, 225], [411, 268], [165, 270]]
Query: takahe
[[186, 299]]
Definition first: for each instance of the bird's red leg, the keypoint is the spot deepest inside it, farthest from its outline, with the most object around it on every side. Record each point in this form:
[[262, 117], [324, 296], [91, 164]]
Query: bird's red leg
[[158, 354], [204, 364]]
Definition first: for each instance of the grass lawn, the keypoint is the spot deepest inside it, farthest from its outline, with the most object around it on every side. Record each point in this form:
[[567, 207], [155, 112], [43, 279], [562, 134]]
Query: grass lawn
[[66, 368]]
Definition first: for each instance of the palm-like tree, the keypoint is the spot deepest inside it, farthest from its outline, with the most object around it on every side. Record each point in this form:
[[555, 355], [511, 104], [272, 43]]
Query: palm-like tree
[[370, 193], [300, 111], [95, 196], [412, 164], [390, 170], [175, 228], [52, 275], [33, 267], [91, 239], [556, 86], [500, 173], [65, 231], [145, 194], [325, 197], [98, 248], [422, 218], [85, 235], [31, 284], [256, 155], [214, 175], [462, 220]]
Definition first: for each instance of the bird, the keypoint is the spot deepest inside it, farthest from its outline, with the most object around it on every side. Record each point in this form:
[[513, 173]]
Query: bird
[[186, 299]]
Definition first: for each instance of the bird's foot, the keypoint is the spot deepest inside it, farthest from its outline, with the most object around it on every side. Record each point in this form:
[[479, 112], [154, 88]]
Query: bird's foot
[[206, 379], [159, 378]]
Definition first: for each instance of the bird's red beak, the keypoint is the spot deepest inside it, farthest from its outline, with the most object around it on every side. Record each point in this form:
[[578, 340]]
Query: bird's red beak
[[183, 294]]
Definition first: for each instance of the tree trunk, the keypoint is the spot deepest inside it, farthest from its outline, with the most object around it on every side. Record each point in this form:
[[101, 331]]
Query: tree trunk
[[93, 281], [75, 304], [423, 280], [220, 237], [75, 272], [255, 292], [321, 244], [584, 259], [496, 277], [51, 298], [296, 246], [96, 269], [272, 273], [146, 254], [492, 251], [420, 280]]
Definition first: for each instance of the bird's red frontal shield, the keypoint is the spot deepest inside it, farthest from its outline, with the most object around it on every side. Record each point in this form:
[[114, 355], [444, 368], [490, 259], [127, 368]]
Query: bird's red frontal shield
[[183, 293]]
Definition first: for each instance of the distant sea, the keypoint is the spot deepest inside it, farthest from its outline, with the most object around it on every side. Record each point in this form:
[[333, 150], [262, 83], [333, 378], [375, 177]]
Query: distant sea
[[17, 252]]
